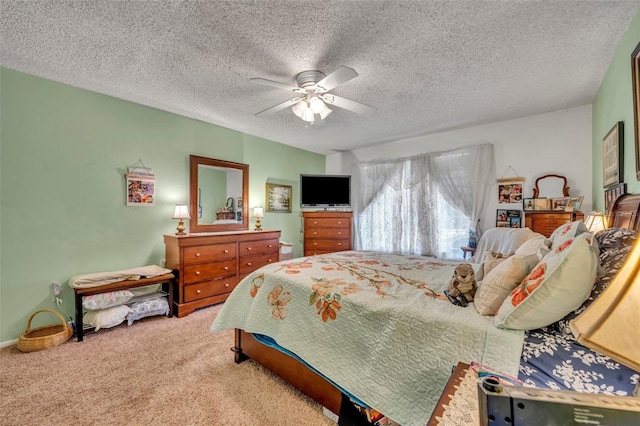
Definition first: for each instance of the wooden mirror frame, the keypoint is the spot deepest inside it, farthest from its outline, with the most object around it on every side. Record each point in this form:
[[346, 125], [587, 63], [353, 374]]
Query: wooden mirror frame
[[194, 227], [565, 188]]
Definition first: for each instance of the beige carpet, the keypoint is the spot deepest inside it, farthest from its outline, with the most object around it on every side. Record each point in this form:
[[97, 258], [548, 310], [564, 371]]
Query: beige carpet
[[158, 371]]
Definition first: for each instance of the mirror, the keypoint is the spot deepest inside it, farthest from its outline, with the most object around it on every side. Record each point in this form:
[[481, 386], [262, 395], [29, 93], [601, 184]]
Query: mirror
[[551, 186], [218, 195]]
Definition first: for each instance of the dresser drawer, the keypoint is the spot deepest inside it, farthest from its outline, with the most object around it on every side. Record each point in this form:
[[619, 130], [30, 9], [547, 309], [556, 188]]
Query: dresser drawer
[[202, 254], [208, 271], [251, 263], [248, 248], [326, 246], [326, 222], [337, 233], [206, 289]]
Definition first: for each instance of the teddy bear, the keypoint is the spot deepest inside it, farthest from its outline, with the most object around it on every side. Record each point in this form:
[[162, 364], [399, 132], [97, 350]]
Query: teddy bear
[[462, 287]]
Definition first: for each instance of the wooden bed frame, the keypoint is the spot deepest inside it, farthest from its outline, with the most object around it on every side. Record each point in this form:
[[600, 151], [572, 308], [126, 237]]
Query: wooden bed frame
[[625, 214]]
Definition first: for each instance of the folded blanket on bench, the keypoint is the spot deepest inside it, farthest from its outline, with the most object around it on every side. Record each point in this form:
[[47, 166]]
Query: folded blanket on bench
[[101, 278]]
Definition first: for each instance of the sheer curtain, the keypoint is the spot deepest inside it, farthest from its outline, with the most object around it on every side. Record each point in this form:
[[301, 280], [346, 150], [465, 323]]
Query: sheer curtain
[[424, 204]]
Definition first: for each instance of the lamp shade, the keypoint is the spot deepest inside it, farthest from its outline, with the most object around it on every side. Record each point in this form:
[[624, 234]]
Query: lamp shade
[[610, 324], [258, 212], [596, 221], [181, 212]]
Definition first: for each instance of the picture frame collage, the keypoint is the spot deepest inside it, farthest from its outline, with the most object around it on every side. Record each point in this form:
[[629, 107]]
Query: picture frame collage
[[565, 204], [509, 218]]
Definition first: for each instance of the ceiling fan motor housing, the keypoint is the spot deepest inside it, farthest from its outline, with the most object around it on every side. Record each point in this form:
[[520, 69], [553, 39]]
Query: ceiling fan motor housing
[[309, 78]]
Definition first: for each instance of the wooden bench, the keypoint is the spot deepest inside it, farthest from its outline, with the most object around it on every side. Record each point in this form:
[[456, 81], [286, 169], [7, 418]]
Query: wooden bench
[[120, 285]]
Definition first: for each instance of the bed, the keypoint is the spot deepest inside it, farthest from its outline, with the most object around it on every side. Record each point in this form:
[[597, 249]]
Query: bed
[[377, 328]]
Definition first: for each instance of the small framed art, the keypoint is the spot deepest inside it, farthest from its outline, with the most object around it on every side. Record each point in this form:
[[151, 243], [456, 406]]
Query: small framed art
[[279, 198], [560, 203], [575, 203], [542, 204], [612, 155], [528, 204]]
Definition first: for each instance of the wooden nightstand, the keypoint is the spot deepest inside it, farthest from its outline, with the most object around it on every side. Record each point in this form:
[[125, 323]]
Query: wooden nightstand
[[458, 404]]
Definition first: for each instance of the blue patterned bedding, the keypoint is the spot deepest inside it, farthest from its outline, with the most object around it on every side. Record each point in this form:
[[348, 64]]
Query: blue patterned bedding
[[551, 358]]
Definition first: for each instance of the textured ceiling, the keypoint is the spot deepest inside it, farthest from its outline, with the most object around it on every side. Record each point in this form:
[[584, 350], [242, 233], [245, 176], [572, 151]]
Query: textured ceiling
[[427, 66]]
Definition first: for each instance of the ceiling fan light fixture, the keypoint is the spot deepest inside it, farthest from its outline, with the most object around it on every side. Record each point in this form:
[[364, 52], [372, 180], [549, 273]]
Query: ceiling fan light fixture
[[299, 108], [316, 105], [307, 115], [325, 112]]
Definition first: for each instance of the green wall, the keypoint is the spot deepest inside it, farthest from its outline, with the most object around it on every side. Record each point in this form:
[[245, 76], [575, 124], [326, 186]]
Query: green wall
[[613, 103], [63, 155]]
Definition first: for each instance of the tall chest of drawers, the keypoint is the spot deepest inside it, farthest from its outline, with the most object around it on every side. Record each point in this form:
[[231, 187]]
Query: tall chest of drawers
[[326, 232], [208, 266], [545, 222]]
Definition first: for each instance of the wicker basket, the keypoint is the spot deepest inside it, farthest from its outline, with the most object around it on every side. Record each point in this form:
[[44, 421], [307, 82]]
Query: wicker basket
[[44, 337]]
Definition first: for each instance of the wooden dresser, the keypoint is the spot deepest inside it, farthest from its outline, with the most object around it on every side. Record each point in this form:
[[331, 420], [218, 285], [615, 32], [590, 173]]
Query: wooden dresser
[[208, 266], [326, 232], [545, 222]]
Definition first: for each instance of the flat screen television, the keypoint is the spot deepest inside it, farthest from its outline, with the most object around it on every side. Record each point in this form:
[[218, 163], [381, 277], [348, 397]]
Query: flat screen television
[[325, 190]]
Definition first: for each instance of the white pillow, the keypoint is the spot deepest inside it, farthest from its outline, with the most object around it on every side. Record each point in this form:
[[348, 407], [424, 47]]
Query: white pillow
[[106, 300], [538, 246], [566, 232], [557, 285], [499, 282], [106, 318]]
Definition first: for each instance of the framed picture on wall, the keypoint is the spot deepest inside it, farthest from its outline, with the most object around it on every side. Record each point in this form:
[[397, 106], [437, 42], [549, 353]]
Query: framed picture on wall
[[279, 198], [612, 155], [635, 79]]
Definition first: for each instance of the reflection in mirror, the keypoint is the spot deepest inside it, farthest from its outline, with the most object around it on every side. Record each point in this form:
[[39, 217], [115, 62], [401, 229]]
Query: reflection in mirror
[[218, 195], [551, 186]]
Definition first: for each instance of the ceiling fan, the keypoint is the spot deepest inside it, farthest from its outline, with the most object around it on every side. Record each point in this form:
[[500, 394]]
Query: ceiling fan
[[313, 94]]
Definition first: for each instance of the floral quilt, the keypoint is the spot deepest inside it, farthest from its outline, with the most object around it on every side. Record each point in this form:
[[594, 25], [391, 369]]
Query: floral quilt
[[376, 324]]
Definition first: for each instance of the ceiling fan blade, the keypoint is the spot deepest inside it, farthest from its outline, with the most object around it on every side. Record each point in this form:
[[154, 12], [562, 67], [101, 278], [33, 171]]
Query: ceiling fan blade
[[348, 104], [284, 86], [278, 107], [339, 76]]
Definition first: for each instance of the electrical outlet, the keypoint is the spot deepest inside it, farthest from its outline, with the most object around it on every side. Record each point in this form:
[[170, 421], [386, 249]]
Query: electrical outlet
[[163, 263], [58, 301], [55, 288]]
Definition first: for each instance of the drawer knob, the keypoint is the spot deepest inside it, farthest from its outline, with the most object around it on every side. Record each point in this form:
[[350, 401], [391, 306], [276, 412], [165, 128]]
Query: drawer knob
[[248, 263], [269, 246], [315, 223], [249, 248], [197, 254], [315, 233], [198, 291], [226, 268], [226, 251], [339, 244], [269, 260], [226, 284], [339, 223], [339, 233], [315, 244], [197, 272]]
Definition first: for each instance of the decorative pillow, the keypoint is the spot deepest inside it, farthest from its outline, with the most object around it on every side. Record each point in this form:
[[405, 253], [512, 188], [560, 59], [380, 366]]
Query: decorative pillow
[[498, 283], [557, 285], [615, 246], [538, 246], [147, 308], [106, 318], [106, 300], [491, 260], [567, 232]]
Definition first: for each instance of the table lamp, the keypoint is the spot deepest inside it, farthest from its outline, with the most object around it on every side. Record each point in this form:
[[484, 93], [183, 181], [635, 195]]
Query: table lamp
[[596, 221], [258, 213], [181, 212]]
